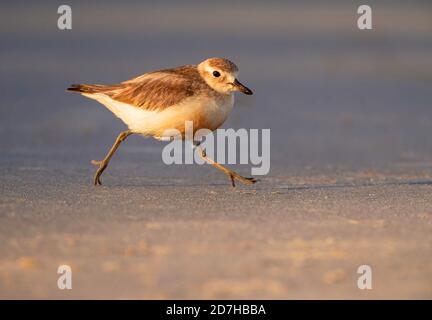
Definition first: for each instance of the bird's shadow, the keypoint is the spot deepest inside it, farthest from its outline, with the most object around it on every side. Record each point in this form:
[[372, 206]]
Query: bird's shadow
[[263, 186], [356, 185]]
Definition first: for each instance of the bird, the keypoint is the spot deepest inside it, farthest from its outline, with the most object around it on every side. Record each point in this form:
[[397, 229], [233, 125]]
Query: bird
[[158, 101]]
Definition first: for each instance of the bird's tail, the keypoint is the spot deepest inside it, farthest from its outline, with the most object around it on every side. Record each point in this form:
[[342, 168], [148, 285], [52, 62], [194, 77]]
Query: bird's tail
[[87, 88]]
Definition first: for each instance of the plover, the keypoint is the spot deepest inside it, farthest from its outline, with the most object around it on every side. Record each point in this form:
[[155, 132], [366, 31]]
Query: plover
[[155, 102]]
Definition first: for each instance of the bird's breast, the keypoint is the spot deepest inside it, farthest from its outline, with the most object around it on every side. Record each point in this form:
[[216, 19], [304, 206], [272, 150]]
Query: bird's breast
[[214, 112], [204, 113]]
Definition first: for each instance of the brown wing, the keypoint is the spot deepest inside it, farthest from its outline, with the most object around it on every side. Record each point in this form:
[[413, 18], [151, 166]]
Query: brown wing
[[152, 91]]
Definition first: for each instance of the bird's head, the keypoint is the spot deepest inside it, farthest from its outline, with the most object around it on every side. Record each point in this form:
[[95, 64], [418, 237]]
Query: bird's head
[[221, 75]]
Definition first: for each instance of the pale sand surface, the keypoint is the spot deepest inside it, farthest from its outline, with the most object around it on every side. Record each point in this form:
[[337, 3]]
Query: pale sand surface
[[351, 174]]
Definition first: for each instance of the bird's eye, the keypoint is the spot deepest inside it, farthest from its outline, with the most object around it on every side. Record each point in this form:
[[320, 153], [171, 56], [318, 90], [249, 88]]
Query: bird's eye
[[216, 74]]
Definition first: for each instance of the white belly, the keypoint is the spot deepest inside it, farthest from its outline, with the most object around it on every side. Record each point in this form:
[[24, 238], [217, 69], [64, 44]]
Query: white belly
[[204, 112]]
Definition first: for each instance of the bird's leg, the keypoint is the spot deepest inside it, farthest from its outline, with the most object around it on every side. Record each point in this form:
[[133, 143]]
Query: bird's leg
[[104, 163], [231, 174]]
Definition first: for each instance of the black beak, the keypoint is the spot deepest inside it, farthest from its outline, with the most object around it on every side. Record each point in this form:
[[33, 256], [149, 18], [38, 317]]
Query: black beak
[[242, 88]]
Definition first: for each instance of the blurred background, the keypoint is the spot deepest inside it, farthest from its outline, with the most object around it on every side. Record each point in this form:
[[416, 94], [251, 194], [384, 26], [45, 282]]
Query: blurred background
[[330, 92], [346, 107]]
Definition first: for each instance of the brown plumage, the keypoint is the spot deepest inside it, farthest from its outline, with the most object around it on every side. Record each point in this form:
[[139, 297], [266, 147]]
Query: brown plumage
[[223, 64], [154, 90]]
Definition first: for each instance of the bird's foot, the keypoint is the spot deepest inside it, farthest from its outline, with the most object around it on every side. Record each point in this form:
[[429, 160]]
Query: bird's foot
[[102, 166], [245, 180]]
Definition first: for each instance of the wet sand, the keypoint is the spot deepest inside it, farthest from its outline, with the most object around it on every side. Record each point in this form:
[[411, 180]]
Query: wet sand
[[351, 158]]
